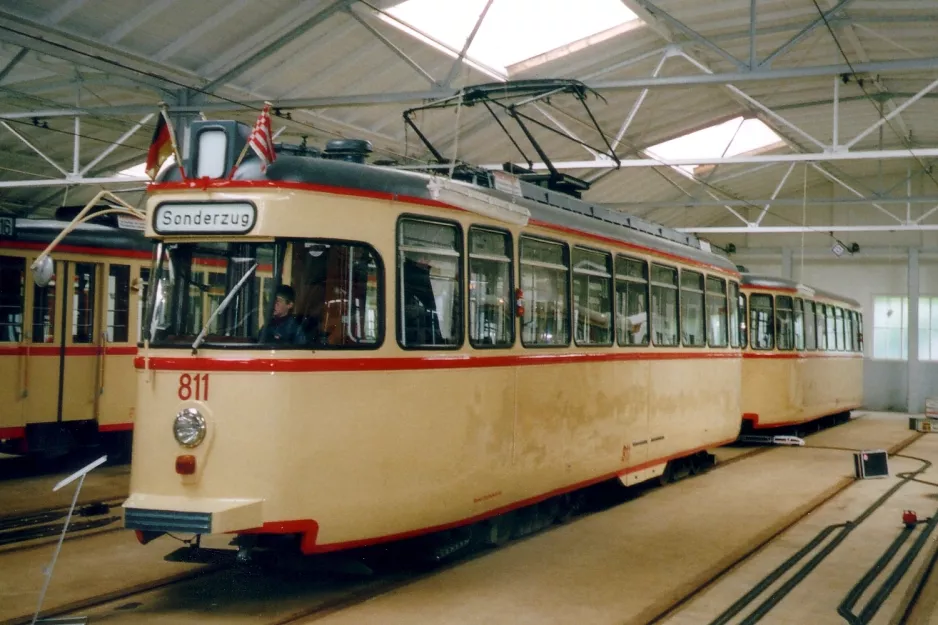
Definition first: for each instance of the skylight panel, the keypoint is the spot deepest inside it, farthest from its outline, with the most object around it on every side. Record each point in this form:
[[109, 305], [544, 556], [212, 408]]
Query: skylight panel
[[140, 170], [732, 138], [513, 30], [136, 171]]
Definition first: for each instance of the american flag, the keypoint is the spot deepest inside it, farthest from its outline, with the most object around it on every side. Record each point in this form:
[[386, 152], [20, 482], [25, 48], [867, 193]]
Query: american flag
[[261, 139]]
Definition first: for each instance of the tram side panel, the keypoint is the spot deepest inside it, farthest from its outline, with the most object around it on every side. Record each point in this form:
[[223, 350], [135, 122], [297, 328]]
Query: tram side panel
[[693, 403], [833, 384], [771, 389]]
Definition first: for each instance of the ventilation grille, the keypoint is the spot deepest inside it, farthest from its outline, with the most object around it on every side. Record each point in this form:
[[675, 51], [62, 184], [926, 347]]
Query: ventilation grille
[[168, 521]]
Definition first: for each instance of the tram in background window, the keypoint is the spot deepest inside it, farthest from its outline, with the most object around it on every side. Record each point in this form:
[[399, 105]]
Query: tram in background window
[[67, 349], [464, 352], [803, 363]]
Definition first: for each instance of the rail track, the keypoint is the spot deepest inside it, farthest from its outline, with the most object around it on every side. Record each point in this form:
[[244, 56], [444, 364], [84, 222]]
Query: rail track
[[751, 607], [28, 530]]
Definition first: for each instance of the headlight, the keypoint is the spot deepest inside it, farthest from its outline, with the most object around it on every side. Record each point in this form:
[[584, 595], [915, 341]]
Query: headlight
[[189, 427]]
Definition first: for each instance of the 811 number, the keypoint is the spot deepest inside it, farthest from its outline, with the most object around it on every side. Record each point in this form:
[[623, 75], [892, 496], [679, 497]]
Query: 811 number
[[193, 387]]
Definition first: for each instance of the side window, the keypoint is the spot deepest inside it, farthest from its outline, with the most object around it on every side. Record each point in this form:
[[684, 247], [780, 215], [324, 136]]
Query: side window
[[692, 309], [737, 336], [716, 311], [810, 327], [784, 333], [742, 328], [831, 329], [664, 321], [848, 330], [839, 328], [592, 297], [118, 303], [856, 331], [545, 275], [12, 293], [761, 324], [821, 325], [338, 289], [798, 324], [83, 303], [631, 301], [491, 303], [44, 308], [860, 332], [429, 261]]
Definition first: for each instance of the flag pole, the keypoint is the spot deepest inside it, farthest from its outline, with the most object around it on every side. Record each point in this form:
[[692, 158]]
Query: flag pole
[[164, 111], [244, 150]]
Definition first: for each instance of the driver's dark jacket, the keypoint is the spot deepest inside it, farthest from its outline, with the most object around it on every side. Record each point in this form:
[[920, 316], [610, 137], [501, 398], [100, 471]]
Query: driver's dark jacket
[[282, 330]]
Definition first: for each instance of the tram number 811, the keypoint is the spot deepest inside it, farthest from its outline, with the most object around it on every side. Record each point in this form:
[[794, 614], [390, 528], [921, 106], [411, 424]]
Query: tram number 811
[[188, 381]]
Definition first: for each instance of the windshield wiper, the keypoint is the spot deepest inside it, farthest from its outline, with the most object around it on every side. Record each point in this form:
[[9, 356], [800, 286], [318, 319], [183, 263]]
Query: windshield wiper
[[221, 307]]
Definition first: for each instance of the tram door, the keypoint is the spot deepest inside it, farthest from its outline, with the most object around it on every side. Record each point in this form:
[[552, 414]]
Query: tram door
[[64, 351]]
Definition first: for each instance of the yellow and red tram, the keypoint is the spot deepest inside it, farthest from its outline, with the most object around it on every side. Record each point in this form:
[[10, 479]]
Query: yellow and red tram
[[67, 348], [803, 360], [457, 351]]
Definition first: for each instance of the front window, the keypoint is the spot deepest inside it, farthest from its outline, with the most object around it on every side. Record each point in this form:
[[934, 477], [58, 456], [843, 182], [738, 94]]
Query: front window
[[289, 294]]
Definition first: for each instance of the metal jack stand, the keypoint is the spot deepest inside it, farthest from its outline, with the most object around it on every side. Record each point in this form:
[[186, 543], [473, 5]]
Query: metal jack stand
[[80, 476]]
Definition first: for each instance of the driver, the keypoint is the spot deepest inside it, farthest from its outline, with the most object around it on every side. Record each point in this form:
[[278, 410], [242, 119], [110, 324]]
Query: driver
[[283, 326]]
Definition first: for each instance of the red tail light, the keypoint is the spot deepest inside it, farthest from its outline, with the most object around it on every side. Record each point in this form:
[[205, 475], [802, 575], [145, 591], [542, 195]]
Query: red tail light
[[185, 465]]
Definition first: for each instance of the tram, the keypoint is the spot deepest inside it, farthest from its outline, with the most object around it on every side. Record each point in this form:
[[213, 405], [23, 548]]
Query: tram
[[66, 349], [803, 362], [454, 349]]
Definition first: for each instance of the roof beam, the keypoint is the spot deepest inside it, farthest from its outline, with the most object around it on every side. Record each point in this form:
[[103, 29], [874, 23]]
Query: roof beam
[[790, 201], [278, 43], [807, 30], [820, 229], [902, 65], [193, 35], [83, 53], [377, 99], [390, 44], [462, 53], [139, 19], [679, 26], [9, 67], [809, 157]]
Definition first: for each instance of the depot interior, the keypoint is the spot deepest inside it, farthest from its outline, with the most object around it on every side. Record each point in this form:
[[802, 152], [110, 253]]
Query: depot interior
[[798, 137]]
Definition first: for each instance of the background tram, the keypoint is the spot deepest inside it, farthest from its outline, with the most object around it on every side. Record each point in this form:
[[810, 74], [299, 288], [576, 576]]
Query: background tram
[[803, 361], [66, 349]]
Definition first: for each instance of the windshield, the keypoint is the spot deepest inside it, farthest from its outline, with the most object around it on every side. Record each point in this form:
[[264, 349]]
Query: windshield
[[289, 294]]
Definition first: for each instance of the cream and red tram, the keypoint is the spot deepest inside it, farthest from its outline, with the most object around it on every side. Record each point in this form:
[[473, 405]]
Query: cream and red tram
[[67, 348], [463, 351], [803, 360]]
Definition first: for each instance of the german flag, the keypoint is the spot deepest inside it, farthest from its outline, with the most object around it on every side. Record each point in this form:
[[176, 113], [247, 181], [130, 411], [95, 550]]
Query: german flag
[[161, 146]]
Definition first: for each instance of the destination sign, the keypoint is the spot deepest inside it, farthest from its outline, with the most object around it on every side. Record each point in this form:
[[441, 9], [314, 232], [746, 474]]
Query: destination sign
[[202, 218]]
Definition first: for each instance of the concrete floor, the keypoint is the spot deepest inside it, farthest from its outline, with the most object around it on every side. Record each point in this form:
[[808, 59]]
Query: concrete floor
[[628, 564], [631, 563]]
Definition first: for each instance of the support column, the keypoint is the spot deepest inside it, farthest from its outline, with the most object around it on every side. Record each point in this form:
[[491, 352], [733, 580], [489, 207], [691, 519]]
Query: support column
[[786, 263], [914, 402]]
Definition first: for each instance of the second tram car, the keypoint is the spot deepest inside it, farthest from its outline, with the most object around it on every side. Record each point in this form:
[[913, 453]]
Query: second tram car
[[453, 352], [67, 349], [803, 359]]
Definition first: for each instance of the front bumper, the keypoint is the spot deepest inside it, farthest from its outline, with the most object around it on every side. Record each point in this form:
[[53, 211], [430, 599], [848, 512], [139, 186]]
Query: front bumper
[[167, 513]]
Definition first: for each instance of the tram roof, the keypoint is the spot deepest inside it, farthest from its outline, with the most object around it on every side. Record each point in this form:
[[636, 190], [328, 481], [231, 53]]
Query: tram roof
[[85, 235], [545, 205], [771, 282]]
